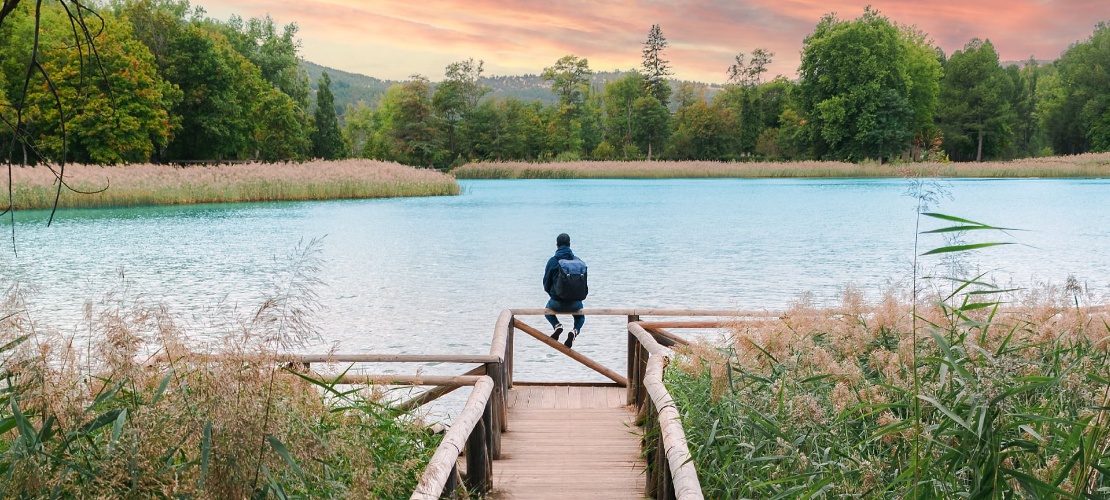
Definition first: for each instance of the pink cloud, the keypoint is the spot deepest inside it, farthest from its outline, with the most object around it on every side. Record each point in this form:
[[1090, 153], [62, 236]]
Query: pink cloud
[[396, 39]]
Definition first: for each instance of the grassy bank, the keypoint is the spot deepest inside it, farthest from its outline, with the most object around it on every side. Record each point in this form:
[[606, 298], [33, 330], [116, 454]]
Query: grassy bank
[[89, 415], [1009, 401], [1092, 165], [142, 185]]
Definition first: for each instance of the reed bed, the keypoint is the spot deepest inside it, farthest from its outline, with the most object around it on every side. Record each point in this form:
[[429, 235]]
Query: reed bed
[[92, 186], [91, 415], [1005, 400], [1091, 165]]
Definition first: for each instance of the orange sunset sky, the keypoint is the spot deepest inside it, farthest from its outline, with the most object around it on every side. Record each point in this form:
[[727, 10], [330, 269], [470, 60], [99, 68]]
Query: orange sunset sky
[[394, 39]]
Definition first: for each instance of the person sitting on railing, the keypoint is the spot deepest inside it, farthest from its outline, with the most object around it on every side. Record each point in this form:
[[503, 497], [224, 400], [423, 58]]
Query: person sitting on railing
[[564, 280]]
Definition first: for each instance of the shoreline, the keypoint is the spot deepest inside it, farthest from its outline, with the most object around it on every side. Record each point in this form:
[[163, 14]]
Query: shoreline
[[93, 186], [1085, 166]]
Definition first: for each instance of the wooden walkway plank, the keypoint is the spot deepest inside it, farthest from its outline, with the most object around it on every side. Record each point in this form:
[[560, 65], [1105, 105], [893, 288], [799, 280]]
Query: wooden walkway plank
[[569, 442]]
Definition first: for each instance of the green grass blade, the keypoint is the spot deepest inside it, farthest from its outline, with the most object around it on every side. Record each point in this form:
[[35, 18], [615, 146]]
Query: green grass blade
[[964, 248], [161, 388], [283, 452]]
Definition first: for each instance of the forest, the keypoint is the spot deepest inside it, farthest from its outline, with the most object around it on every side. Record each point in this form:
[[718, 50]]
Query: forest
[[161, 82]]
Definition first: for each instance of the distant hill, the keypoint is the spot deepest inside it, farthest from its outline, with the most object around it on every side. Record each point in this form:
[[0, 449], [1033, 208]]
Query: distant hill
[[350, 88]]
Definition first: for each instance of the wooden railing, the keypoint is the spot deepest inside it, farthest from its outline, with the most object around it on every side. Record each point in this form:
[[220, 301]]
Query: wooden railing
[[477, 429]]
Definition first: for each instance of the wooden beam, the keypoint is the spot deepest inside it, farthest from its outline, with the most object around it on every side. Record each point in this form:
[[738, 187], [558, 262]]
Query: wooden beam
[[594, 365], [664, 333], [436, 392], [652, 312], [688, 324], [397, 379], [391, 358], [342, 358], [443, 460]]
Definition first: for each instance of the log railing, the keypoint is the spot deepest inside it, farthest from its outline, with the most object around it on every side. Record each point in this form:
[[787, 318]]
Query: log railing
[[476, 431]]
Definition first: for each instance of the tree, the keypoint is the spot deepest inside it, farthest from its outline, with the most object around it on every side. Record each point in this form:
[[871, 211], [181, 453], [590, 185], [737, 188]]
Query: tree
[[750, 74], [652, 123], [973, 100], [409, 132], [620, 98], [274, 54], [923, 73], [456, 98], [1077, 110], [120, 118], [854, 89], [656, 69], [327, 139], [569, 79]]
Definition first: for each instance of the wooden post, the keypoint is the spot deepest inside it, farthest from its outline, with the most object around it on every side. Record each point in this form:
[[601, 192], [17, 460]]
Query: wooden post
[[477, 456], [452, 483], [651, 451], [509, 354], [633, 382], [641, 373], [497, 403]]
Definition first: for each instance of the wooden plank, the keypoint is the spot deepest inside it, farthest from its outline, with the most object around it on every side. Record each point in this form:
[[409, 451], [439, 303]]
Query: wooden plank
[[574, 451]]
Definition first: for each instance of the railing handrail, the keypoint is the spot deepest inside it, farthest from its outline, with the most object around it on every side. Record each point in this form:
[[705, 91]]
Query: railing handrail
[[447, 453], [650, 312], [683, 472]]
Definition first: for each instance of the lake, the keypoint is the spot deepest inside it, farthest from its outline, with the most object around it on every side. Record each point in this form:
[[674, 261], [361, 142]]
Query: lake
[[430, 275]]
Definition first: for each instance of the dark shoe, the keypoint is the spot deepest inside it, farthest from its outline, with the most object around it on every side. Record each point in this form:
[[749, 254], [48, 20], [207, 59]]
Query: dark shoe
[[570, 339], [558, 332]]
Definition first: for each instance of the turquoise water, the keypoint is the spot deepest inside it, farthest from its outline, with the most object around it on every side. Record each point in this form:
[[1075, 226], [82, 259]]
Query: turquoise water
[[431, 274]]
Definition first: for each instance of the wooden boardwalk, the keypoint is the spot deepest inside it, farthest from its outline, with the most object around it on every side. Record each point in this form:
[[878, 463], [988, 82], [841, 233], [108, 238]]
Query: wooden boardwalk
[[569, 442]]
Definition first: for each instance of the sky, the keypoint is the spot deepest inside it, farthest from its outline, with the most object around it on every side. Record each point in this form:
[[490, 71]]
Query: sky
[[393, 39]]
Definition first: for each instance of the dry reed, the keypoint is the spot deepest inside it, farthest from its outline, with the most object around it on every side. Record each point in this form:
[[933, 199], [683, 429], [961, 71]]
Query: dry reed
[[89, 416], [143, 185], [1012, 398], [1091, 165]]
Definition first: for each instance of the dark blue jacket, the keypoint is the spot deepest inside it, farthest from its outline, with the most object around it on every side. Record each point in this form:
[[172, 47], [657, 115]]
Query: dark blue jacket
[[553, 268]]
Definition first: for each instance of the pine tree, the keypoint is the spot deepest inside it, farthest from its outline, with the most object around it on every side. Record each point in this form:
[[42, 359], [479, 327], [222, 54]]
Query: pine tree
[[327, 140], [656, 69]]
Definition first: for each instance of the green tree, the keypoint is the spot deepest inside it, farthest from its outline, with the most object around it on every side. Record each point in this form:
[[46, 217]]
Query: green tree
[[655, 68], [702, 133], [923, 73], [279, 132], [455, 100], [854, 88], [974, 102], [652, 123], [275, 54], [570, 80], [1077, 112], [408, 128], [620, 98], [327, 139]]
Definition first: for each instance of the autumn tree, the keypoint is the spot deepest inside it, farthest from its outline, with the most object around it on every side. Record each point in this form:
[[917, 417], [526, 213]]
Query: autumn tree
[[655, 68]]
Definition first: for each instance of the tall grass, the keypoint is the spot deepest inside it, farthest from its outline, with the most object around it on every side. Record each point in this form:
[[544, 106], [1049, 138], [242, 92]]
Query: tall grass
[[1092, 165], [90, 416], [1013, 400], [142, 185]]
